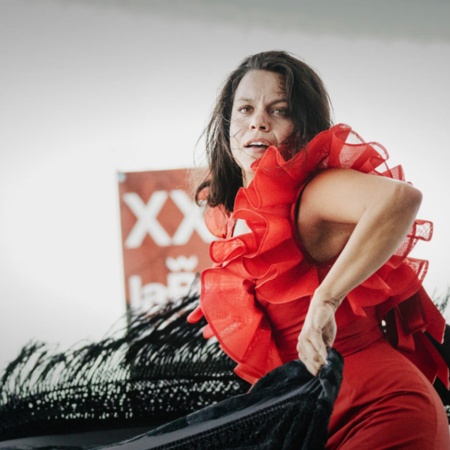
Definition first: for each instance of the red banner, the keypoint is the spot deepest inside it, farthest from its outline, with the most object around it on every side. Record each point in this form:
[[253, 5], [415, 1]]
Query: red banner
[[164, 239]]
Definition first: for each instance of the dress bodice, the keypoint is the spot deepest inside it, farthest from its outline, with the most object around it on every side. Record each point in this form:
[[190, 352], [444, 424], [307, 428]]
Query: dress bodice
[[256, 295]]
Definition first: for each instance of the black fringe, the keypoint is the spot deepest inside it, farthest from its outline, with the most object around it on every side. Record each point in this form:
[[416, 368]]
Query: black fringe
[[160, 369]]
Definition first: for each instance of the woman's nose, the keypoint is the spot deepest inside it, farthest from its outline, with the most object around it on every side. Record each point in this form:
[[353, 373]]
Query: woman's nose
[[259, 121]]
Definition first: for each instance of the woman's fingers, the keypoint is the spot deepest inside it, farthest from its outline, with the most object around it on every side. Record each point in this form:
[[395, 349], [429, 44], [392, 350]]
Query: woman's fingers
[[312, 351], [317, 335]]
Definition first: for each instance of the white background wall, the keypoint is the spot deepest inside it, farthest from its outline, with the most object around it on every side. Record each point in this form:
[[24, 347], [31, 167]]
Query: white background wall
[[91, 88]]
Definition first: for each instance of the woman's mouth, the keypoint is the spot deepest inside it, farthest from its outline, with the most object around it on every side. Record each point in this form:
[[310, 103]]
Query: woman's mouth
[[257, 144]]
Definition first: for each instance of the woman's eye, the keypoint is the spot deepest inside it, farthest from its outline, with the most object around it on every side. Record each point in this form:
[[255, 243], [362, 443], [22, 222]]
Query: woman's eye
[[280, 111], [244, 109]]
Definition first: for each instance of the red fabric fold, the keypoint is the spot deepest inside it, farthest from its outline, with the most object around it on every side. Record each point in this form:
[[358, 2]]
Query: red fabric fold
[[268, 263]]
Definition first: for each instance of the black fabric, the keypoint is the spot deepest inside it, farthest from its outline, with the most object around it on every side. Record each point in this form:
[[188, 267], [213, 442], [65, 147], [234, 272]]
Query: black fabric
[[161, 369], [287, 409]]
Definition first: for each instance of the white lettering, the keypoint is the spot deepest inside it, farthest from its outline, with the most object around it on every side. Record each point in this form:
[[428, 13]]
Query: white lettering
[[135, 286], [147, 222], [146, 219], [179, 283], [193, 219], [155, 295], [182, 263], [149, 296]]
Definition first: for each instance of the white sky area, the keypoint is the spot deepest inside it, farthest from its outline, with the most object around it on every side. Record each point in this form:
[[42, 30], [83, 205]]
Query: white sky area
[[86, 92]]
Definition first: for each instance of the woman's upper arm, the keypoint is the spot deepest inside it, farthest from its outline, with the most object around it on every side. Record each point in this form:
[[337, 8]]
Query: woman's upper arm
[[334, 201]]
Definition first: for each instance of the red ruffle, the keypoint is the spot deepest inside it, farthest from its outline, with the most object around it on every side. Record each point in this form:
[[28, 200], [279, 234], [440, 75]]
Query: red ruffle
[[268, 263]]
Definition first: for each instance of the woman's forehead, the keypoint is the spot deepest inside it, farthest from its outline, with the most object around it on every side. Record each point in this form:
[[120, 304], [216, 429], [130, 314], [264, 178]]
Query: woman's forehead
[[260, 82]]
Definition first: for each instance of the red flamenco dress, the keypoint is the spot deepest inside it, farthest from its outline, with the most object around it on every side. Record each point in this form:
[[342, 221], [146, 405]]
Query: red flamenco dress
[[256, 296]]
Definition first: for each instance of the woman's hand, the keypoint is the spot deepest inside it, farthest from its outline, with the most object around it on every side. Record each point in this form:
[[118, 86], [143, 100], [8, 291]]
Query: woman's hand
[[318, 333]]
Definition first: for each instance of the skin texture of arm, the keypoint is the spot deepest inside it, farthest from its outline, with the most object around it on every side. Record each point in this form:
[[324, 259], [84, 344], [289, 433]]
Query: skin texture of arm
[[363, 218]]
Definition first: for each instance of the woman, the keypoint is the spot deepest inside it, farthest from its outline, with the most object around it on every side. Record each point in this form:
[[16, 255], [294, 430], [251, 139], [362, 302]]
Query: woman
[[315, 233]]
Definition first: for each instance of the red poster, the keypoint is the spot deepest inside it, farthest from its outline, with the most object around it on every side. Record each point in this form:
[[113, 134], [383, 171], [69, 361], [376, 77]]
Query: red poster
[[164, 239]]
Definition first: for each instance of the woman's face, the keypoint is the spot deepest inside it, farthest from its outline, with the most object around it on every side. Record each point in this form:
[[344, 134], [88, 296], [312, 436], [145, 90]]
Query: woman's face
[[259, 118]]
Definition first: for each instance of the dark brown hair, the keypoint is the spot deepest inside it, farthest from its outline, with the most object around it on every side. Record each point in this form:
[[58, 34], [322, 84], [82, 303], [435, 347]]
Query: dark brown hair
[[309, 109]]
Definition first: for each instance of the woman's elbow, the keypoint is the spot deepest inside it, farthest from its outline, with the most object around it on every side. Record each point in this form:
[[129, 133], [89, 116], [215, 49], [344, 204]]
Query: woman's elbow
[[408, 198]]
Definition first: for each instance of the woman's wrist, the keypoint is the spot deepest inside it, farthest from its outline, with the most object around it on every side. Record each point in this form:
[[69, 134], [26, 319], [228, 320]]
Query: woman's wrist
[[323, 297]]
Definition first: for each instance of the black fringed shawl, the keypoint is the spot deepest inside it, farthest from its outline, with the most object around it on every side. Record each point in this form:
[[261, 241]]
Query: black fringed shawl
[[159, 371], [154, 377]]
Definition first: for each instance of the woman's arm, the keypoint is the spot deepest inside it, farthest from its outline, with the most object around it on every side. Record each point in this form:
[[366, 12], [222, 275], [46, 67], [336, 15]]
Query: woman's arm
[[365, 218]]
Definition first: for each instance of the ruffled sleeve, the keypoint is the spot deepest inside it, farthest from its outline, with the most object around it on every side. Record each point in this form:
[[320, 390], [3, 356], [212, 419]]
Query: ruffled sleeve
[[269, 265]]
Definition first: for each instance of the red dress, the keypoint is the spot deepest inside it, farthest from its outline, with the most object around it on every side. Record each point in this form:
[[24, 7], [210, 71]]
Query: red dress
[[256, 296]]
